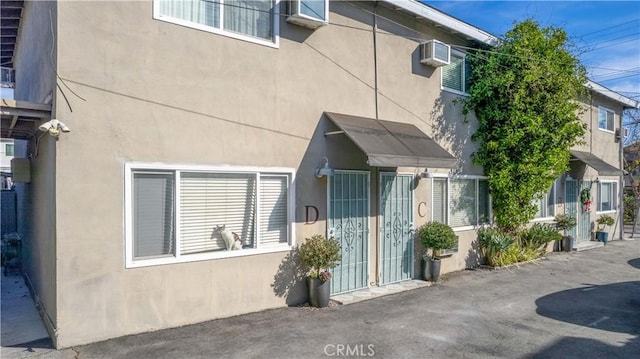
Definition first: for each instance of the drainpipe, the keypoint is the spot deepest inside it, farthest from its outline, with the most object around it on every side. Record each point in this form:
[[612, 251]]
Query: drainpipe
[[375, 170], [375, 56], [621, 181]]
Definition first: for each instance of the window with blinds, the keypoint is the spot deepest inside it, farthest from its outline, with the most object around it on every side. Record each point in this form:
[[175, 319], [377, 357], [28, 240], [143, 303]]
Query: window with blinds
[[461, 202], [546, 204], [153, 214], [455, 76], [439, 200], [607, 196], [177, 214]]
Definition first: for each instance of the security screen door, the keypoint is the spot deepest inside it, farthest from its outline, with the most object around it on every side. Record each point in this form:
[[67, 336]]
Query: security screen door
[[349, 224], [396, 227]]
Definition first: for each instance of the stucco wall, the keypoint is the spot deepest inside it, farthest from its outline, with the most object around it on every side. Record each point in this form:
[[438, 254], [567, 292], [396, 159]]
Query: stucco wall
[[157, 92], [35, 82]]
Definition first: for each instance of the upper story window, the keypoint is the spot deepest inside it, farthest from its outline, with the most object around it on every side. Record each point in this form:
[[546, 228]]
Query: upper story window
[[177, 214], [251, 20], [455, 76], [8, 149], [606, 119]]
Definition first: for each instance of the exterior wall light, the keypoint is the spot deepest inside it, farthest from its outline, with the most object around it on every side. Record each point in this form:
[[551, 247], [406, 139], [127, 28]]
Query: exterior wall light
[[324, 170], [54, 127]]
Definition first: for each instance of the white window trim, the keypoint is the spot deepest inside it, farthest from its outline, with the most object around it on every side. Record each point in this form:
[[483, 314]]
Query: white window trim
[[555, 208], [131, 167], [220, 31], [614, 119], [464, 69], [449, 178], [615, 195]]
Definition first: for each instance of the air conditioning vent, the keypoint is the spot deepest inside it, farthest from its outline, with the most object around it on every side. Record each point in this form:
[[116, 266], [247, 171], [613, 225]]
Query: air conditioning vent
[[435, 53], [308, 13]]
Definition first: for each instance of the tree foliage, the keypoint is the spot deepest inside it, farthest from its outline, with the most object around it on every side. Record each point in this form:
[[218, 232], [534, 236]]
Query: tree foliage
[[524, 96]]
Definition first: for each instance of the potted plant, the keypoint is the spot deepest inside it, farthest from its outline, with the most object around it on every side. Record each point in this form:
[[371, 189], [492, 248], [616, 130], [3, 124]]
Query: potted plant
[[320, 254], [564, 223], [603, 222], [436, 236]]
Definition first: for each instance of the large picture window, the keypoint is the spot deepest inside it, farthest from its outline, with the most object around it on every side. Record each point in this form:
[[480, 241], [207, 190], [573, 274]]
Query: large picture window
[[461, 202], [253, 20], [184, 214], [607, 196]]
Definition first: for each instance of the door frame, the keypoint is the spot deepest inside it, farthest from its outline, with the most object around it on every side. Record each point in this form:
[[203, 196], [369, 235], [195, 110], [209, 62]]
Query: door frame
[[367, 215], [379, 217]]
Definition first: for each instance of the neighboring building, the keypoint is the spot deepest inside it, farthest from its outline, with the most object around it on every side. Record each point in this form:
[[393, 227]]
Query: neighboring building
[[190, 116]]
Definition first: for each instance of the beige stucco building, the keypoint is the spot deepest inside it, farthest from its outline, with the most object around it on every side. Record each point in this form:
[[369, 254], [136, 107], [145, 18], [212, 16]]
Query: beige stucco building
[[274, 123]]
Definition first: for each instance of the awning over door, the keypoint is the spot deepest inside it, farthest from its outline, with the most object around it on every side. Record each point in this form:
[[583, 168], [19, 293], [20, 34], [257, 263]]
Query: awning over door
[[392, 144], [596, 163]]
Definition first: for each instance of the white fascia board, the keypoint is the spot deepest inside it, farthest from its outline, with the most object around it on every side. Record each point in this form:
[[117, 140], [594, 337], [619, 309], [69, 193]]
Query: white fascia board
[[424, 11], [595, 87]]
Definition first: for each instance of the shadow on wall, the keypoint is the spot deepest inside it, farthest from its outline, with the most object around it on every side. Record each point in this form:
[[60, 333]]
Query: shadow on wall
[[289, 281], [474, 256], [610, 307], [450, 129]]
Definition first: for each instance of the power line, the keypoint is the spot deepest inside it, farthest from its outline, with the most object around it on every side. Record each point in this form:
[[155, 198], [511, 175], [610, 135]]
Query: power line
[[610, 27]]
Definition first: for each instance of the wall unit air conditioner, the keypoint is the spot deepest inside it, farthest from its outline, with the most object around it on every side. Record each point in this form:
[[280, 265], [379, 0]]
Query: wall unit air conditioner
[[435, 53], [308, 13]]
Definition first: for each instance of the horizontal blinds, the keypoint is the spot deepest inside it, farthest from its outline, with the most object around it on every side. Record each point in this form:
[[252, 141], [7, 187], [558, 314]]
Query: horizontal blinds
[[197, 11], [551, 202], [439, 206], [452, 73], [211, 200], [273, 210], [153, 214], [463, 202]]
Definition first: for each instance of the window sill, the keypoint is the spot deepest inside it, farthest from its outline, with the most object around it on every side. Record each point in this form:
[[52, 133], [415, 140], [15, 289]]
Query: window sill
[[464, 228], [543, 219], [606, 130], [606, 212], [453, 91], [137, 263]]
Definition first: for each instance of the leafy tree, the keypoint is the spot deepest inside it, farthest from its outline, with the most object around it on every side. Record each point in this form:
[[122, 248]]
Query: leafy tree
[[524, 94]]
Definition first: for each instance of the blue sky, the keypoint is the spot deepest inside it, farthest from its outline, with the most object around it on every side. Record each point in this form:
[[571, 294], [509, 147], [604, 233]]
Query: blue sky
[[607, 32]]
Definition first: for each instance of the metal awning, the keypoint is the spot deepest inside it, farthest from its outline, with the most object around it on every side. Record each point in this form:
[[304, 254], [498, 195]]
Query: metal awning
[[596, 163], [392, 144], [19, 119]]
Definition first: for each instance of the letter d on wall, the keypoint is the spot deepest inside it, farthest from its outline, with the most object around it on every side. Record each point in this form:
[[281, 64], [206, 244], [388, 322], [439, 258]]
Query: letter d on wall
[[312, 214]]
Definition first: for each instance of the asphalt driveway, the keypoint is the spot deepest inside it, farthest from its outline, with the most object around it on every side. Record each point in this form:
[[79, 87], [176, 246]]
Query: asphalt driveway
[[582, 305]]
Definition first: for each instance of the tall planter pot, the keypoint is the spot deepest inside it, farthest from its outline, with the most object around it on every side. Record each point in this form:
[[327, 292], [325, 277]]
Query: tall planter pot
[[426, 267], [567, 243], [319, 292], [434, 268]]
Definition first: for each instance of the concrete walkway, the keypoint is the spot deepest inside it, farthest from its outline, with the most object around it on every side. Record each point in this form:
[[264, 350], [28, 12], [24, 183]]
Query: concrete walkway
[[570, 305], [23, 333]]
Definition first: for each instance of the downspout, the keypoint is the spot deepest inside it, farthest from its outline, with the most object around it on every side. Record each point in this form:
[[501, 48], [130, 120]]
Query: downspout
[[375, 169]]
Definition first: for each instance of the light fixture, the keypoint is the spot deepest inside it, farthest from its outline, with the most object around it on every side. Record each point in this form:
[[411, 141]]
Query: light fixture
[[324, 170], [54, 127]]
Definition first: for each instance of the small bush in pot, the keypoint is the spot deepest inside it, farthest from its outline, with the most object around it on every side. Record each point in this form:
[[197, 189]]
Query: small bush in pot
[[436, 236], [564, 223], [604, 221], [320, 254]]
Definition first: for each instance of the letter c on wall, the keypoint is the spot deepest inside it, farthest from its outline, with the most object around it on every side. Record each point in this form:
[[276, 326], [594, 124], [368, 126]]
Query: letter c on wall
[[421, 209]]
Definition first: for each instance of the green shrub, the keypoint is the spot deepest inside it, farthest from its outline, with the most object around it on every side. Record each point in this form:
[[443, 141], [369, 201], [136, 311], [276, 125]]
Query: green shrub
[[605, 221], [537, 237], [565, 222], [320, 253], [629, 208], [437, 236], [494, 243]]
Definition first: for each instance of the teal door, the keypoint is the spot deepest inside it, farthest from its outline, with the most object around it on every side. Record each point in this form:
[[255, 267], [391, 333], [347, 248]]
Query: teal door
[[349, 224], [571, 203], [396, 227], [584, 220]]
